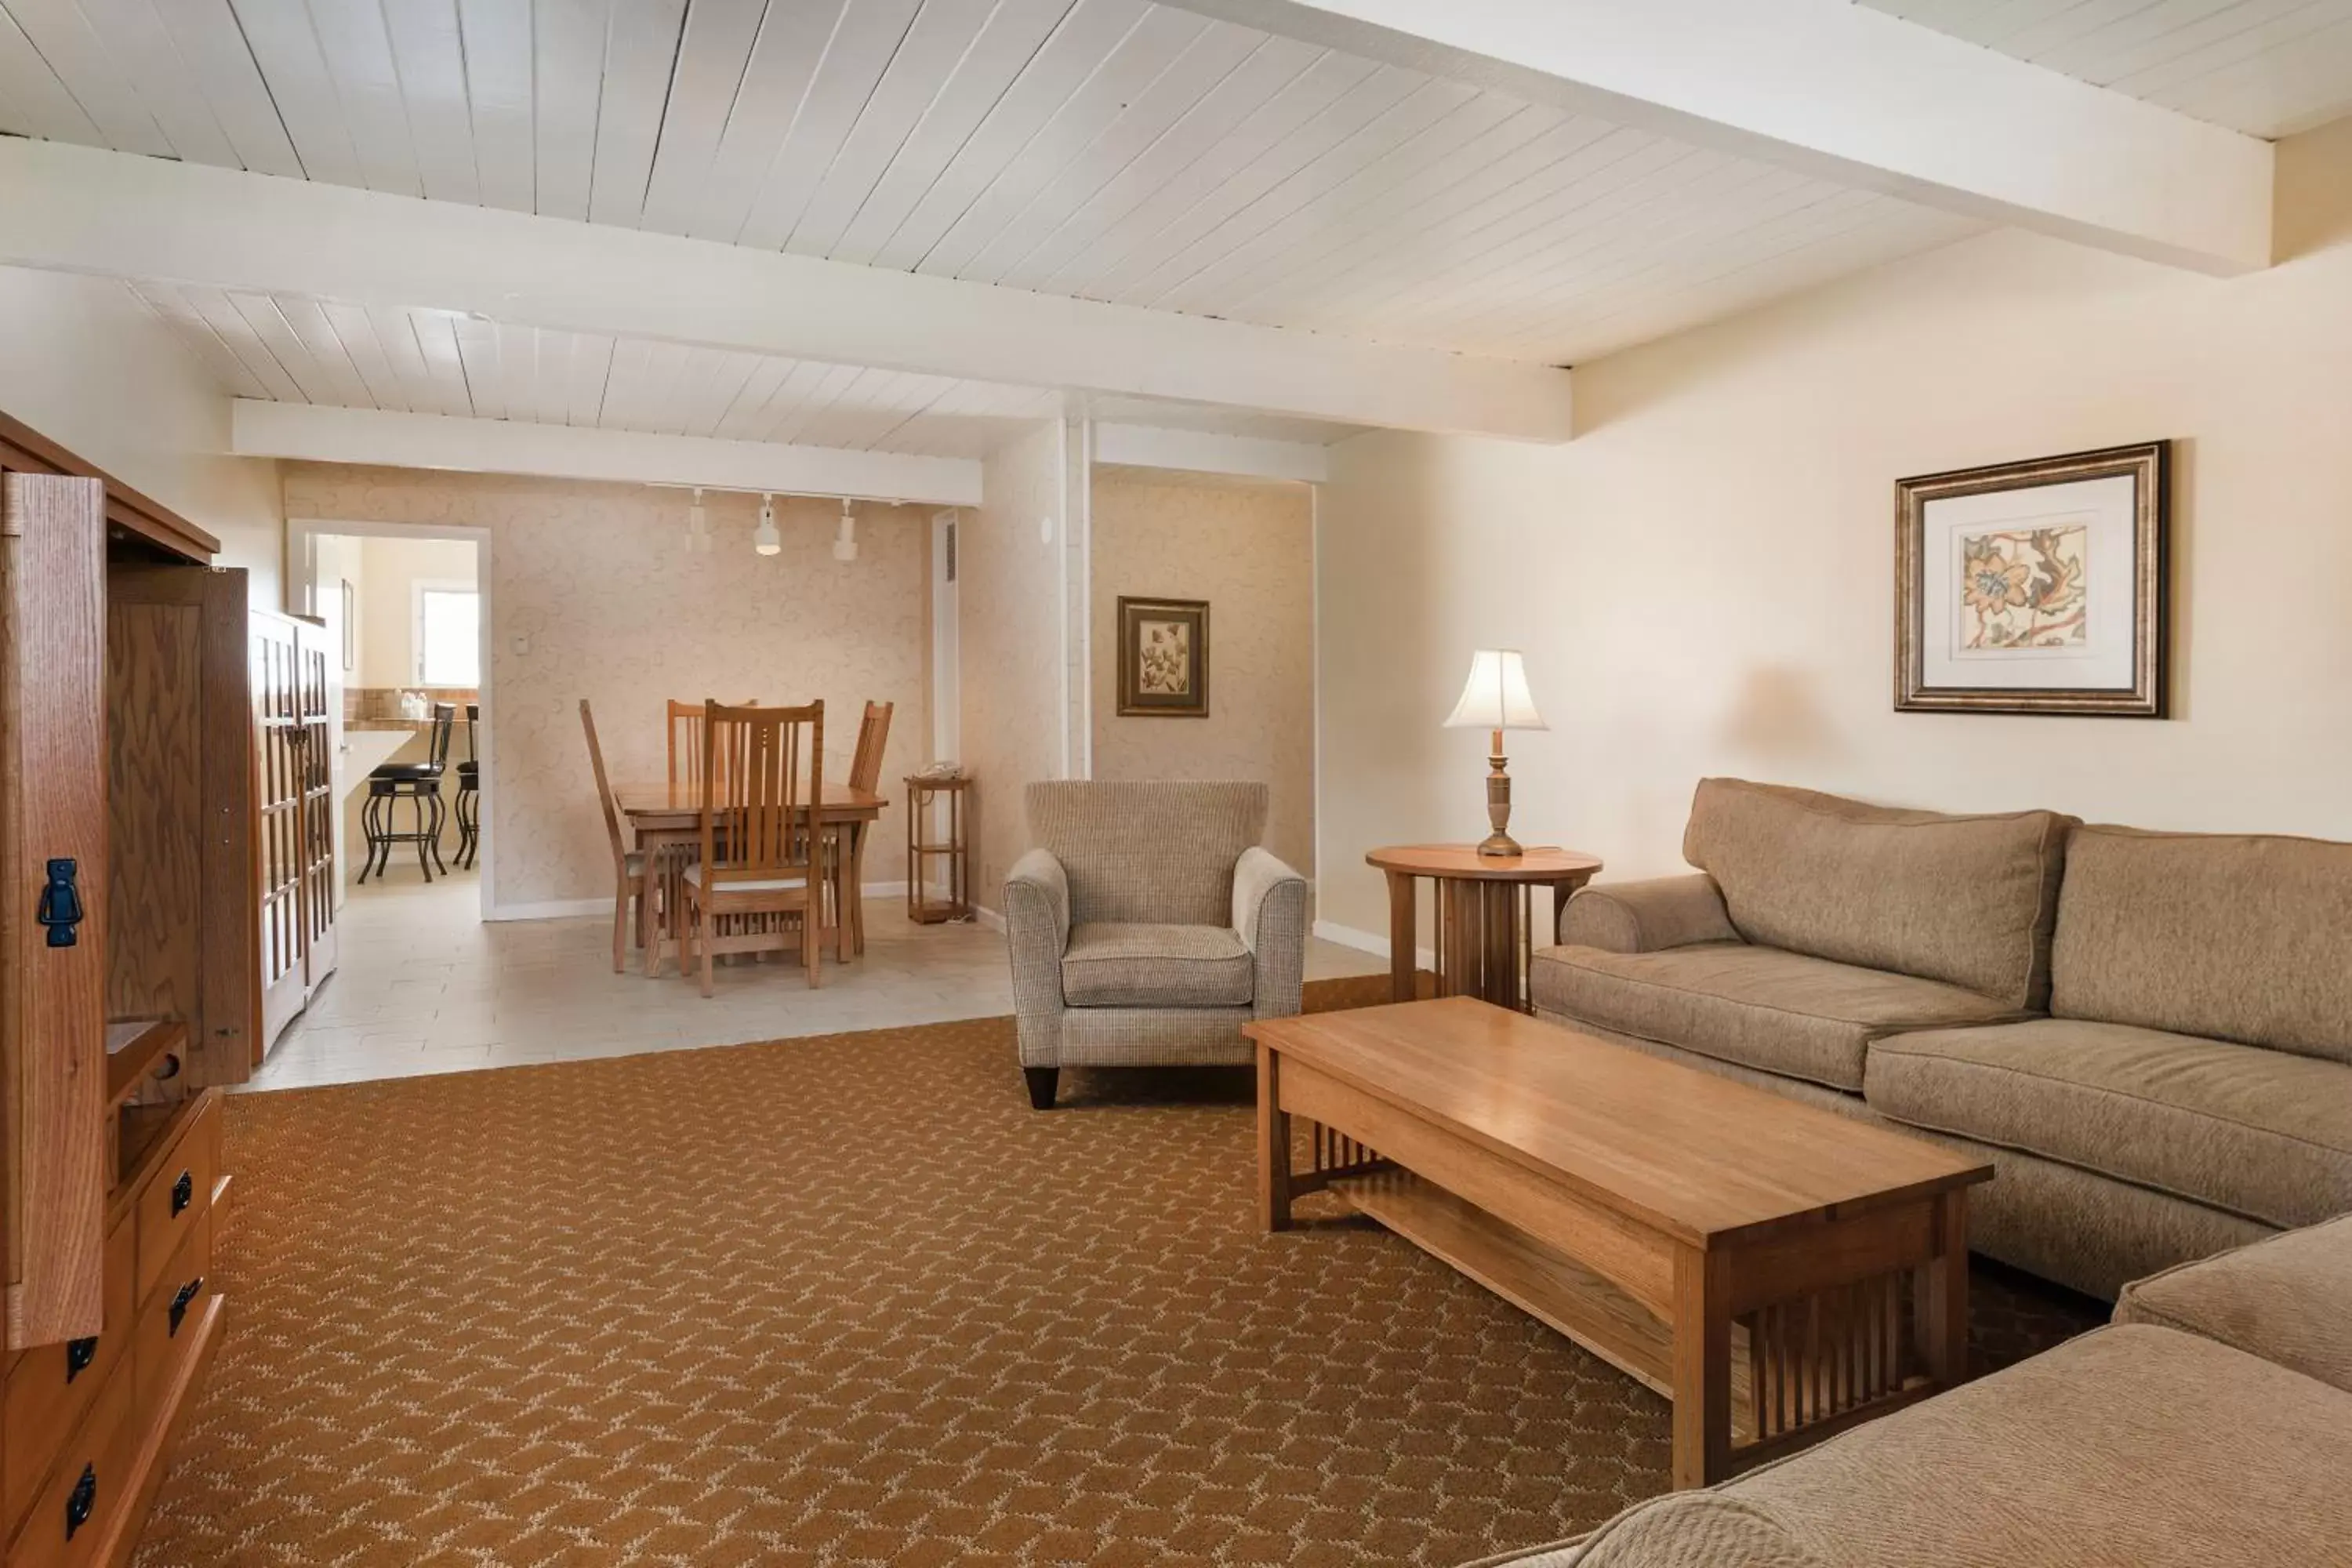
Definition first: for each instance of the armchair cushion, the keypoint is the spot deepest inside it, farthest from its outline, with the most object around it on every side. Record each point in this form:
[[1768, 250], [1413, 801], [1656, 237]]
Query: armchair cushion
[[1124, 964]]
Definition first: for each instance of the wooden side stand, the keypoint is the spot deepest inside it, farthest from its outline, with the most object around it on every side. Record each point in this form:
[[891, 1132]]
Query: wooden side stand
[[955, 850]]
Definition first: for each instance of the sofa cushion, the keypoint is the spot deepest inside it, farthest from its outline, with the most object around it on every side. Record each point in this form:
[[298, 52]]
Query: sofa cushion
[[1110, 964], [2261, 1133], [2238, 936], [2287, 1299], [1969, 899], [1783, 1012], [2129, 1444]]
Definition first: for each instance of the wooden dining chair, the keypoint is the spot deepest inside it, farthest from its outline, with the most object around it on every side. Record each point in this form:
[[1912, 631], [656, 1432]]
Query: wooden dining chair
[[845, 851], [684, 740], [632, 893], [762, 869]]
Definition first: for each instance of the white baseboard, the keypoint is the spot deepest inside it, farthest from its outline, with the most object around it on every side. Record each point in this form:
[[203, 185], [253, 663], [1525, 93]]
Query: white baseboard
[[573, 909], [1365, 942], [988, 917]]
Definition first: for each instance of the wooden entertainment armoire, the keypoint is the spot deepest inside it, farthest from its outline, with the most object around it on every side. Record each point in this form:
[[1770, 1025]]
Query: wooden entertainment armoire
[[129, 978]]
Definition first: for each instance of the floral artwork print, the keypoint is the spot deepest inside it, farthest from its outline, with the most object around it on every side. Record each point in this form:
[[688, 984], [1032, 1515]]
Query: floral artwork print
[[2023, 588], [1163, 659]]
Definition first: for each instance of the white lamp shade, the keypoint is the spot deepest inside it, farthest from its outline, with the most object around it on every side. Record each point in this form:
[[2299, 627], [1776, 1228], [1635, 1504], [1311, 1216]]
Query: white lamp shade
[[1496, 695]]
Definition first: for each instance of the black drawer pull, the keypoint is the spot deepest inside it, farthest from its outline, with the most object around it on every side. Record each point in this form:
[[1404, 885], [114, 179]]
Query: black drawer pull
[[183, 1192], [79, 1353], [81, 1501], [180, 1302], [59, 909]]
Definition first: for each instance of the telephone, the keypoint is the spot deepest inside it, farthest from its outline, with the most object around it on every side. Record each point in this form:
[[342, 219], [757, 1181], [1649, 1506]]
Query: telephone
[[941, 772]]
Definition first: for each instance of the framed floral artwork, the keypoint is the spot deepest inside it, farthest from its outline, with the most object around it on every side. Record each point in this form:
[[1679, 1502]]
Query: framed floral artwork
[[1163, 659], [2035, 587]]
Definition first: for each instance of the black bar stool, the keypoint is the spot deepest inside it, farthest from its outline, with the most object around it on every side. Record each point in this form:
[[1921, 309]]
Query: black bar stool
[[469, 793], [419, 782]]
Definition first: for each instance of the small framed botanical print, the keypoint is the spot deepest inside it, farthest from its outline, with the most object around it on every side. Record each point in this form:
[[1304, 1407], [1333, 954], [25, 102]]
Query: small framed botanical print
[[1163, 659], [2035, 587]]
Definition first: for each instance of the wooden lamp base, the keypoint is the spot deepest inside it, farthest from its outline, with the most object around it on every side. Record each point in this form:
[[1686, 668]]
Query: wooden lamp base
[[1499, 804]]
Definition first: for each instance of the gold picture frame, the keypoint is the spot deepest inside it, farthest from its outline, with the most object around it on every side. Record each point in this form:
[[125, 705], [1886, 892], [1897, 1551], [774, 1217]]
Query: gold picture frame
[[2036, 587], [1163, 659]]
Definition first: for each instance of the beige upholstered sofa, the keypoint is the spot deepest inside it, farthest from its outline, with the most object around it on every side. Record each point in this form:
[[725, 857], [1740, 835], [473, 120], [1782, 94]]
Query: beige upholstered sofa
[[2209, 1427], [2149, 1036], [1148, 926]]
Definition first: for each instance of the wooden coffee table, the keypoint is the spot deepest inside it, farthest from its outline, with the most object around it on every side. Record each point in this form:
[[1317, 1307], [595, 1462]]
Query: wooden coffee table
[[1778, 1271]]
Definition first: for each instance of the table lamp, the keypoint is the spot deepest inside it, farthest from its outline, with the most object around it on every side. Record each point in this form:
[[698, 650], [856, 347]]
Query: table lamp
[[1495, 698]]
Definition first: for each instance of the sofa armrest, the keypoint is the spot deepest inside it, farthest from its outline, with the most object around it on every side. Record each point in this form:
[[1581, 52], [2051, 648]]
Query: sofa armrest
[[1646, 916], [1270, 914], [1037, 932]]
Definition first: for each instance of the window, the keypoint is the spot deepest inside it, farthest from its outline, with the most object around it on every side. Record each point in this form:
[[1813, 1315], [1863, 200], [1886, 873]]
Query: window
[[449, 636]]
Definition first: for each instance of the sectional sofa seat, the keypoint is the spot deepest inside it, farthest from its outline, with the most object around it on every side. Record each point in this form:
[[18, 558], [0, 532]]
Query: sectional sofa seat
[[2149, 1035]]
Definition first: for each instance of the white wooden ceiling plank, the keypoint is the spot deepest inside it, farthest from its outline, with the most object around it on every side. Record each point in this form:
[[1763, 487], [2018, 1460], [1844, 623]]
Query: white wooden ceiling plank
[[2052, 27], [1016, 33], [33, 102], [74, 50], [1194, 200], [861, 49], [659, 388], [707, 407], [640, 51], [1198, 236], [743, 415], [197, 334], [591, 367], [1273, 66], [712, 57], [496, 38], [339, 369], [945, 435], [436, 332], [1144, 121], [1489, 143], [783, 61], [2148, 33], [625, 384], [517, 368], [1531, 230], [1430, 103], [357, 333], [940, 38], [865, 409], [396, 334], [150, 61], [428, 54], [791, 396], [826, 389], [1086, 38], [286, 346], [354, 37], [886, 416], [213, 48], [477, 352], [550, 374], [567, 81], [295, 73], [2150, 73], [2283, 92], [222, 315], [1161, 43]]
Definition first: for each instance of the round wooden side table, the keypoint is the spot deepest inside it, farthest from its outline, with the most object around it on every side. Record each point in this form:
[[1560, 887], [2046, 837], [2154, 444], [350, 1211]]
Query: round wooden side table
[[1484, 914]]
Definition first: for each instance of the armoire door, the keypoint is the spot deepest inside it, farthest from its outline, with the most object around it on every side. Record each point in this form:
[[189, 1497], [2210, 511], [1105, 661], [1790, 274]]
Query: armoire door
[[282, 744], [318, 836], [53, 930]]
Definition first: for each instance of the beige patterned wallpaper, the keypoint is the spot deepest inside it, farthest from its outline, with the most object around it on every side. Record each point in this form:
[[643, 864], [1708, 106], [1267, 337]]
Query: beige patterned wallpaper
[[1248, 548], [593, 595]]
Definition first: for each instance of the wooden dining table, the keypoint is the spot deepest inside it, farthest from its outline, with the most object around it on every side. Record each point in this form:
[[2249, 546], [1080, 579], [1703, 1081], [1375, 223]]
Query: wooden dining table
[[665, 820]]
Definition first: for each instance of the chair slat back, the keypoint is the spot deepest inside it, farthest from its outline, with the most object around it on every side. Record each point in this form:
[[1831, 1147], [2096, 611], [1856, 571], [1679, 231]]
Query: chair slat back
[[872, 734], [603, 786], [767, 767], [445, 718], [686, 740]]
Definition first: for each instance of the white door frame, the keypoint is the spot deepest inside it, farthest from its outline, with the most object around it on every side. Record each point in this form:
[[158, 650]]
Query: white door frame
[[301, 586]]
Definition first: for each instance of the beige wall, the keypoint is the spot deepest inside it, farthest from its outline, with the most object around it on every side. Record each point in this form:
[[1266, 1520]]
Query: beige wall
[[1702, 581], [595, 580], [88, 366], [390, 570], [1008, 597], [1248, 548]]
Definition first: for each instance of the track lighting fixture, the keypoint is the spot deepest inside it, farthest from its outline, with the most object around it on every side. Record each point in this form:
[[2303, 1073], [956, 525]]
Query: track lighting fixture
[[844, 543], [764, 538]]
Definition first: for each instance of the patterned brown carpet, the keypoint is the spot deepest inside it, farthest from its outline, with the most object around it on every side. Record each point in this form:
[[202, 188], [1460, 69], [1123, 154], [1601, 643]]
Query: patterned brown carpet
[[848, 1301]]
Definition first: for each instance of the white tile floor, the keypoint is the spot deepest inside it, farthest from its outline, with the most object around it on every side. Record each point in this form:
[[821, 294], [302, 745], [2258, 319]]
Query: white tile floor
[[424, 986]]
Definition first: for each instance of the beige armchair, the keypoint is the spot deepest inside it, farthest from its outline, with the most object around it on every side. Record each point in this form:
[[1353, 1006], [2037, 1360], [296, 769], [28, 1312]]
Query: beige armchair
[[1148, 926]]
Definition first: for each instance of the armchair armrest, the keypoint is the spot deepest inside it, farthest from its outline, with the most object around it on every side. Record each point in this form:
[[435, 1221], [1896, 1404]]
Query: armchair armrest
[[1270, 914], [1647, 917], [1037, 932]]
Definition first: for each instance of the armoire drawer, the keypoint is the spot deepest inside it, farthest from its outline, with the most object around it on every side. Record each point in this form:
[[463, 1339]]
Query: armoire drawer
[[177, 1194], [51, 1386], [167, 1323], [90, 1483]]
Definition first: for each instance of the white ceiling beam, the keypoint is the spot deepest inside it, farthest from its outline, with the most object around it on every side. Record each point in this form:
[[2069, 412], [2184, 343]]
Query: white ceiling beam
[[391, 440], [1206, 452], [1845, 92], [83, 210]]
